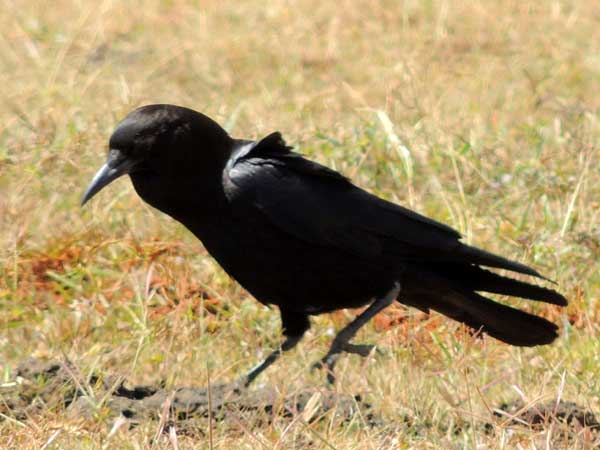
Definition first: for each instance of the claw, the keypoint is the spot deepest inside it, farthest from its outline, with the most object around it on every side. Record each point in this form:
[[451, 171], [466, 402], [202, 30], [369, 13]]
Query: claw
[[327, 362], [316, 365]]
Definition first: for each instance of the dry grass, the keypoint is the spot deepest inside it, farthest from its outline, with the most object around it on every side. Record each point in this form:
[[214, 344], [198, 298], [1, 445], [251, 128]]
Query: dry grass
[[494, 107]]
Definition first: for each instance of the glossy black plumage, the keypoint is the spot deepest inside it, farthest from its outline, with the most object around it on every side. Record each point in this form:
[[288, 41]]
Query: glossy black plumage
[[301, 236]]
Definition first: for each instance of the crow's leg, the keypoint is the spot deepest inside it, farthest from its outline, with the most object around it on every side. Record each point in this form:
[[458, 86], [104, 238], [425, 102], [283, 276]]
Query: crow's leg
[[294, 326], [341, 343], [288, 344]]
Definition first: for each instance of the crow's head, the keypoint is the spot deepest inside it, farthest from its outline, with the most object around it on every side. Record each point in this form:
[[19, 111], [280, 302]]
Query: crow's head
[[165, 141]]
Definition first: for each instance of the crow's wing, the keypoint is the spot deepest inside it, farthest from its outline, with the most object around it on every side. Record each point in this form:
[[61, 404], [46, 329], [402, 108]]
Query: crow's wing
[[322, 207]]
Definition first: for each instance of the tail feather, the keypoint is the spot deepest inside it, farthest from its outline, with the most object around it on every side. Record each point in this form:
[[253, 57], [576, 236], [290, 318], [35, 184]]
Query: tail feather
[[479, 279], [474, 255], [502, 322], [452, 292]]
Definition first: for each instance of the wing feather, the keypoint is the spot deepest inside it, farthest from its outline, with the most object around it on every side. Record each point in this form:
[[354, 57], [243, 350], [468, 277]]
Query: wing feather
[[320, 206]]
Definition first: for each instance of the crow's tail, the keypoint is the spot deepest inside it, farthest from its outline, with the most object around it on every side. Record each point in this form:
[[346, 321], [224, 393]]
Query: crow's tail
[[452, 292]]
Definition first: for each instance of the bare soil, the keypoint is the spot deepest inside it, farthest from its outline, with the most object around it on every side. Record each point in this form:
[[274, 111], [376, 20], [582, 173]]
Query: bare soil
[[51, 384], [58, 386]]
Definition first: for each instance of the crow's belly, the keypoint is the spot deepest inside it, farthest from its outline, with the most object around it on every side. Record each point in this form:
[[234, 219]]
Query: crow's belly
[[300, 276]]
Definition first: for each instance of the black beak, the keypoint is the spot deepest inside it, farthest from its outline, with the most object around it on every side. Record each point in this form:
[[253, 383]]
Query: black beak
[[116, 165]]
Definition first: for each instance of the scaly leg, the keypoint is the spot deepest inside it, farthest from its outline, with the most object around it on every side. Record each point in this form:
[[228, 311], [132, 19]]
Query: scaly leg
[[341, 343], [294, 326]]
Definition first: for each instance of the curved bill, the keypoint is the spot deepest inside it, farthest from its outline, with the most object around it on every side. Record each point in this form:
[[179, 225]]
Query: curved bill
[[105, 176]]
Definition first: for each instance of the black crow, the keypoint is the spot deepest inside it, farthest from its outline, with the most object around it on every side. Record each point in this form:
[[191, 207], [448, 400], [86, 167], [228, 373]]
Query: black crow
[[301, 236]]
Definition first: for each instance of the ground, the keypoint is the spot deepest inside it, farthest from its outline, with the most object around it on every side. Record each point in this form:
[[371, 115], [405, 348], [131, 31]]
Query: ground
[[483, 115]]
